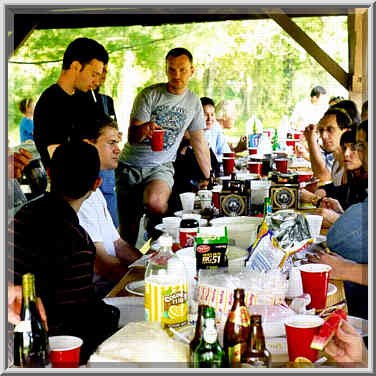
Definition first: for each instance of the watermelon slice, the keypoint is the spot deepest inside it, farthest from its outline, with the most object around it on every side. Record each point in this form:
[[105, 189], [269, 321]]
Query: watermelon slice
[[328, 329]]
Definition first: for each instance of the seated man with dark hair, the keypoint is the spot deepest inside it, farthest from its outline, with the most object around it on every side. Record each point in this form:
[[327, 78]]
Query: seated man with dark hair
[[45, 238]]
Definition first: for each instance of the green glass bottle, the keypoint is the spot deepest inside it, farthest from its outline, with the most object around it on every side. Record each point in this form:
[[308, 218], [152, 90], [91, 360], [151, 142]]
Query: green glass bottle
[[209, 353], [275, 145], [267, 206], [31, 347]]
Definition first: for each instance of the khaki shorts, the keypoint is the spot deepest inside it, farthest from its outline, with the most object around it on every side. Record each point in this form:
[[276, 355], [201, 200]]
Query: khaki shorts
[[127, 175]]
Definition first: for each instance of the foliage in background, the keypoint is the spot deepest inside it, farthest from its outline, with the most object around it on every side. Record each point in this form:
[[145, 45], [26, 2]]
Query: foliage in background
[[253, 62]]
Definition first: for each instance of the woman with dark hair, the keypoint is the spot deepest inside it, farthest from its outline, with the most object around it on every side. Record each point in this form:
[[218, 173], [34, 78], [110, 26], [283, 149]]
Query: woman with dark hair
[[355, 182]]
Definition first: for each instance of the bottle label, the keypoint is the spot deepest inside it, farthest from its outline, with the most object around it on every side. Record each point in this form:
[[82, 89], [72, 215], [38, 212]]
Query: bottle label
[[210, 335], [240, 317], [235, 353], [255, 364], [23, 326], [166, 303], [187, 237]]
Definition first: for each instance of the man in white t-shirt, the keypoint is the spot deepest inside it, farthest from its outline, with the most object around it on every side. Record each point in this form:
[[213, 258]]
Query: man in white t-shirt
[[310, 110], [113, 253]]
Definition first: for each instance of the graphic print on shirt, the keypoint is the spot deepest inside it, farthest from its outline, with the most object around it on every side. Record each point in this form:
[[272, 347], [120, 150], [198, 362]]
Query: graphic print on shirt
[[172, 120]]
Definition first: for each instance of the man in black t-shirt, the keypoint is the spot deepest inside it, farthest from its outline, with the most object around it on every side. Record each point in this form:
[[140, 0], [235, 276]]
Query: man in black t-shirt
[[59, 114]]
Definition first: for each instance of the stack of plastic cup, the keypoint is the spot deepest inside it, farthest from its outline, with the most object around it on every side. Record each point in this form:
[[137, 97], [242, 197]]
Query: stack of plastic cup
[[295, 283]]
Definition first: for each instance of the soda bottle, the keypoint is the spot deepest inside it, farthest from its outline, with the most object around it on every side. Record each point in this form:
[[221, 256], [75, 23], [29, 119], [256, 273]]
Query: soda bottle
[[209, 353], [166, 287], [198, 331], [31, 347], [236, 330], [256, 355]]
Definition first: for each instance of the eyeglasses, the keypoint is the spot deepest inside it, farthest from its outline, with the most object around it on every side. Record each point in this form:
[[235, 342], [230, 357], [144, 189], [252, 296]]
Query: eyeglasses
[[359, 146]]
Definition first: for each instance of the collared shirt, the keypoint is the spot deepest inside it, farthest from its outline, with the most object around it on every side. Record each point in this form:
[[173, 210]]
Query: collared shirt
[[45, 238], [216, 140], [328, 158]]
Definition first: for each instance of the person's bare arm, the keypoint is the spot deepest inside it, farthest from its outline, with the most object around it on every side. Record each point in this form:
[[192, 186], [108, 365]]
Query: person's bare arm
[[126, 252], [344, 270], [139, 130], [317, 161], [201, 150], [51, 149], [107, 266]]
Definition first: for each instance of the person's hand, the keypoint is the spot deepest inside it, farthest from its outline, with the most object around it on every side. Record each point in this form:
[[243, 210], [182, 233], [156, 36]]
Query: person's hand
[[305, 196], [329, 216], [310, 132], [17, 162], [301, 151], [15, 304], [332, 204], [335, 261], [145, 130], [347, 345], [203, 184]]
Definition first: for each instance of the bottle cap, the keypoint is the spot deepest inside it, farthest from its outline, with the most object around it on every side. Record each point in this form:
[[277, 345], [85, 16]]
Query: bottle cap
[[165, 241]]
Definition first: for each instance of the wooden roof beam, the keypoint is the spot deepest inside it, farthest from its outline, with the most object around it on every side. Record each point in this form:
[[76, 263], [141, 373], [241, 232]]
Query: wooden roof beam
[[295, 32]]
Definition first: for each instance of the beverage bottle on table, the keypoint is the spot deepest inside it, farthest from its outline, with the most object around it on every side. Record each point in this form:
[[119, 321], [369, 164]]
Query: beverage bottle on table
[[198, 331], [256, 355], [267, 206], [209, 353], [166, 287], [31, 347], [236, 331]]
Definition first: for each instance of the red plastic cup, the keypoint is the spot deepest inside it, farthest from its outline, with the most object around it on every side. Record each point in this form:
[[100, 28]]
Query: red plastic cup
[[229, 155], [304, 176], [291, 142], [255, 167], [157, 140], [297, 135], [252, 151], [281, 165], [65, 351], [300, 330], [315, 279], [228, 165]]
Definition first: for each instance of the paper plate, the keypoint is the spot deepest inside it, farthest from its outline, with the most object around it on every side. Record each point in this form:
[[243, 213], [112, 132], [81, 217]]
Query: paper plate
[[332, 289], [180, 213], [360, 325], [136, 288]]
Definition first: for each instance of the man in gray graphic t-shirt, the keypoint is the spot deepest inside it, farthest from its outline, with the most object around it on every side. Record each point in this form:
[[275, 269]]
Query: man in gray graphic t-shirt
[[144, 178]]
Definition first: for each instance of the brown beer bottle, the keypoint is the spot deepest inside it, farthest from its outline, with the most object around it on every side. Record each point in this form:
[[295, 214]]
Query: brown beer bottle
[[256, 355], [236, 331], [198, 331]]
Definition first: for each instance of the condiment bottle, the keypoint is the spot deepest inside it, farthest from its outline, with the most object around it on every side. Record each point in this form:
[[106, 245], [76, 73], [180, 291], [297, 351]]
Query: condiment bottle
[[209, 353], [31, 347], [256, 355], [267, 206], [188, 230], [198, 331], [236, 331], [166, 287]]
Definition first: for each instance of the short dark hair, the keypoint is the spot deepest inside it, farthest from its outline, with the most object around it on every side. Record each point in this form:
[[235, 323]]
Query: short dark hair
[[335, 100], [205, 101], [84, 50], [74, 168], [363, 126], [93, 130], [348, 137], [175, 52], [24, 104], [317, 91], [342, 117], [351, 109]]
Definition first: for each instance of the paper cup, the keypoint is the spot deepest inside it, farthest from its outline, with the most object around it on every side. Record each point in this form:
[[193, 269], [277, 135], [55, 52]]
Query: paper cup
[[281, 165], [314, 223], [300, 330], [205, 194], [228, 165], [65, 351], [157, 140], [315, 279], [295, 283], [187, 200]]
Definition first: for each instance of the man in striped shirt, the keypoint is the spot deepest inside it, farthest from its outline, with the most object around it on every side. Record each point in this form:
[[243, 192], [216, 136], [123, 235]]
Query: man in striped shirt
[[45, 238]]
